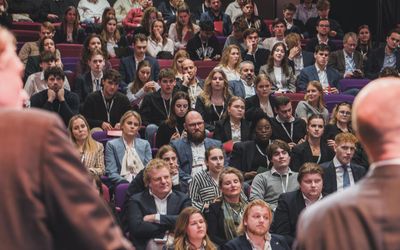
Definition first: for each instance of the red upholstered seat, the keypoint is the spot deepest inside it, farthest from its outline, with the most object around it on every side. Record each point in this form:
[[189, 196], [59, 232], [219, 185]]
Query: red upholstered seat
[[69, 50], [218, 28], [26, 35]]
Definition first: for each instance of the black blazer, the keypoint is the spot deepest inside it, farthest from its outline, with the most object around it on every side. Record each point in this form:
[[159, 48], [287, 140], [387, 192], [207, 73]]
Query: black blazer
[[301, 153], [243, 155], [253, 106], [215, 221], [375, 62], [313, 42], [207, 112], [83, 86], [330, 184], [308, 59], [258, 59], [299, 130], [142, 204], [78, 36], [241, 243], [286, 215], [153, 110], [223, 130]]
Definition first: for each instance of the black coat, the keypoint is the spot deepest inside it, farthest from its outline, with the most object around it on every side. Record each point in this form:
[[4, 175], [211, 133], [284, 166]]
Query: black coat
[[223, 130], [241, 243], [301, 153]]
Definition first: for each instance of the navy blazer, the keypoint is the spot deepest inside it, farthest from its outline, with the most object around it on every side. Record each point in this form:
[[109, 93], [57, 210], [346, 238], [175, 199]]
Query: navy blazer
[[308, 59], [375, 62], [141, 204], [241, 243], [185, 157], [127, 68], [83, 86], [313, 42], [309, 73], [286, 215], [237, 88], [330, 183]]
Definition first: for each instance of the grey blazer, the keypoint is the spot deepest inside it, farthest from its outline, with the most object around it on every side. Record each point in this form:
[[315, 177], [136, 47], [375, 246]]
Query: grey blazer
[[288, 82], [337, 61], [237, 88]]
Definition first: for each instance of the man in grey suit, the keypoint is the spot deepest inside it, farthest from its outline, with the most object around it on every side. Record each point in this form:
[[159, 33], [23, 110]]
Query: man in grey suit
[[366, 215], [349, 62], [245, 86], [191, 150]]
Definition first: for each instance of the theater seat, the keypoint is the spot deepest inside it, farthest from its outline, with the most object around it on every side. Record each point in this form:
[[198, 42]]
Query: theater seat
[[26, 35], [332, 99], [70, 50], [120, 193], [348, 83]]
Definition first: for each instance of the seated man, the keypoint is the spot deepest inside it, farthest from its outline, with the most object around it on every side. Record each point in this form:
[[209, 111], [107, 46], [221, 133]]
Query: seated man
[[384, 57], [292, 25], [297, 57], [348, 62], [285, 126], [191, 150], [204, 46], [56, 98], [90, 81], [190, 83], [254, 53], [322, 37], [238, 27], [215, 13], [104, 108], [129, 64], [279, 30], [35, 82], [253, 230], [340, 173], [280, 179], [245, 86], [320, 71], [53, 10], [152, 214], [323, 8], [32, 48], [291, 204], [156, 106]]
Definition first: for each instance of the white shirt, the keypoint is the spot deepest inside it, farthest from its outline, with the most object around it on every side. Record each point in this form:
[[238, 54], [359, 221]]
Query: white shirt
[[267, 245], [154, 47], [268, 43], [323, 77], [340, 172], [198, 153], [94, 79], [161, 205], [308, 202], [248, 90]]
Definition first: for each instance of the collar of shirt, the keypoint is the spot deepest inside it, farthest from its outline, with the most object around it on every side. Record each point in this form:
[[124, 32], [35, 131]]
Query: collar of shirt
[[42, 75], [337, 163], [158, 199], [319, 40], [198, 145], [280, 121], [94, 78], [267, 244], [245, 83], [274, 171], [347, 55], [320, 70], [308, 202]]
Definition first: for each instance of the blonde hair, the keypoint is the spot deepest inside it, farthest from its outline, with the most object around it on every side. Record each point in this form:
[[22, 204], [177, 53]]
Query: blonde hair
[[179, 54], [153, 164], [128, 114], [90, 144], [207, 91], [225, 56], [318, 86], [242, 228]]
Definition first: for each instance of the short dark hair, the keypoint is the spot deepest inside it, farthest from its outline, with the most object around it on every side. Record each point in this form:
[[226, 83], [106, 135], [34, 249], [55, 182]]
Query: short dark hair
[[139, 38], [321, 47], [112, 75], [275, 145], [54, 71], [47, 56], [290, 7], [323, 5], [395, 30], [166, 73], [309, 168], [320, 20], [206, 25], [249, 31], [281, 100], [278, 21]]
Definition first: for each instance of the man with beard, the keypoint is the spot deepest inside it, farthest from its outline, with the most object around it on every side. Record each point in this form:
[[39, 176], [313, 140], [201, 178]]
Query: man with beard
[[191, 150], [253, 230], [245, 86], [56, 98], [280, 179]]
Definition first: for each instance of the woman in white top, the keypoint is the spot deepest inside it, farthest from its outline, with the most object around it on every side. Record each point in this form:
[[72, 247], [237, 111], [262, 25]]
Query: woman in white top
[[142, 84], [230, 61], [158, 39], [314, 102], [279, 71], [111, 35], [183, 29]]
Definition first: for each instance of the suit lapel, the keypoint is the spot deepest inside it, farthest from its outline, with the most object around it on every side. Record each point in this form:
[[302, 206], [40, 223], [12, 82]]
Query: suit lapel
[[120, 149], [89, 82]]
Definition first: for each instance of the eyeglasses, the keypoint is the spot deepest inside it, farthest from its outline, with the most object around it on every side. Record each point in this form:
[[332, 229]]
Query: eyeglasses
[[196, 124], [344, 112]]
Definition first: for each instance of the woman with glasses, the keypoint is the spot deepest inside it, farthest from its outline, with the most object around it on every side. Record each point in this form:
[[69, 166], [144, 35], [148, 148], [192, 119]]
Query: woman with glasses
[[340, 122]]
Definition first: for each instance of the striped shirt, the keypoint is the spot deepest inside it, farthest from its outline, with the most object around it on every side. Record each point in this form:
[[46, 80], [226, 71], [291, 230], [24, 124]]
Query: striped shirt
[[203, 190]]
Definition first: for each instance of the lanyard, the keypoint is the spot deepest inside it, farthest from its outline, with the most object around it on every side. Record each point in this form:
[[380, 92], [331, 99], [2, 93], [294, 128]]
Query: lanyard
[[290, 135], [284, 188], [222, 111], [167, 111], [204, 49], [108, 107]]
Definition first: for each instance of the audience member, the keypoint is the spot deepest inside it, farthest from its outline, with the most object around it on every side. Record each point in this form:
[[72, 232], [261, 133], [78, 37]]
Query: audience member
[[279, 179], [104, 108], [305, 11], [341, 173], [389, 71], [127, 155], [236, 38], [313, 103], [230, 62], [190, 83], [233, 127], [348, 62], [173, 127], [133, 20], [204, 45], [53, 10], [244, 86], [179, 57], [364, 45], [297, 57], [250, 157], [122, 7], [216, 14], [117, 44], [91, 11], [253, 20], [253, 52], [278, 70], [234, 10], [263, 99], [169, 10], [291, 204], [70, 31], [322, 36], [279, 30], [149, 16], [254, 228], [91, 152], [92, 42], [56, 98], [191, 149], [225, 214], [158, 40], [314, 149], [292, 25], [152, 214], [6, 18]]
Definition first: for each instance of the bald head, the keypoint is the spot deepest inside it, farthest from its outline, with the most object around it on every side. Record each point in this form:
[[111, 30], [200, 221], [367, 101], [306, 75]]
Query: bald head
[[376, 118]]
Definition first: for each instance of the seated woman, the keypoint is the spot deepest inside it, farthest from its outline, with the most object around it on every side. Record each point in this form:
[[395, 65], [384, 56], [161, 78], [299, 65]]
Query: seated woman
[[250, 157], [191, 231], [158, 40], [212, 102], [172, 128], [149, 16], [279, 71], [93, 41], [340, 122], [365, 45], [179, 57], [91, 151], [314, 102], [142, 85], [262, 100], [251, 19], [127, 155], [231, 58], [70, 31], [314, 149], [233, 127], [224, 216], [183, 29], [113, 38]]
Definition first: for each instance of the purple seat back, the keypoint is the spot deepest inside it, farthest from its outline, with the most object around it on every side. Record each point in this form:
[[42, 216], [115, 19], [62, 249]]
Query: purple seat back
[[333, 99], [120, 193], [338, 44], [348, 83]]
